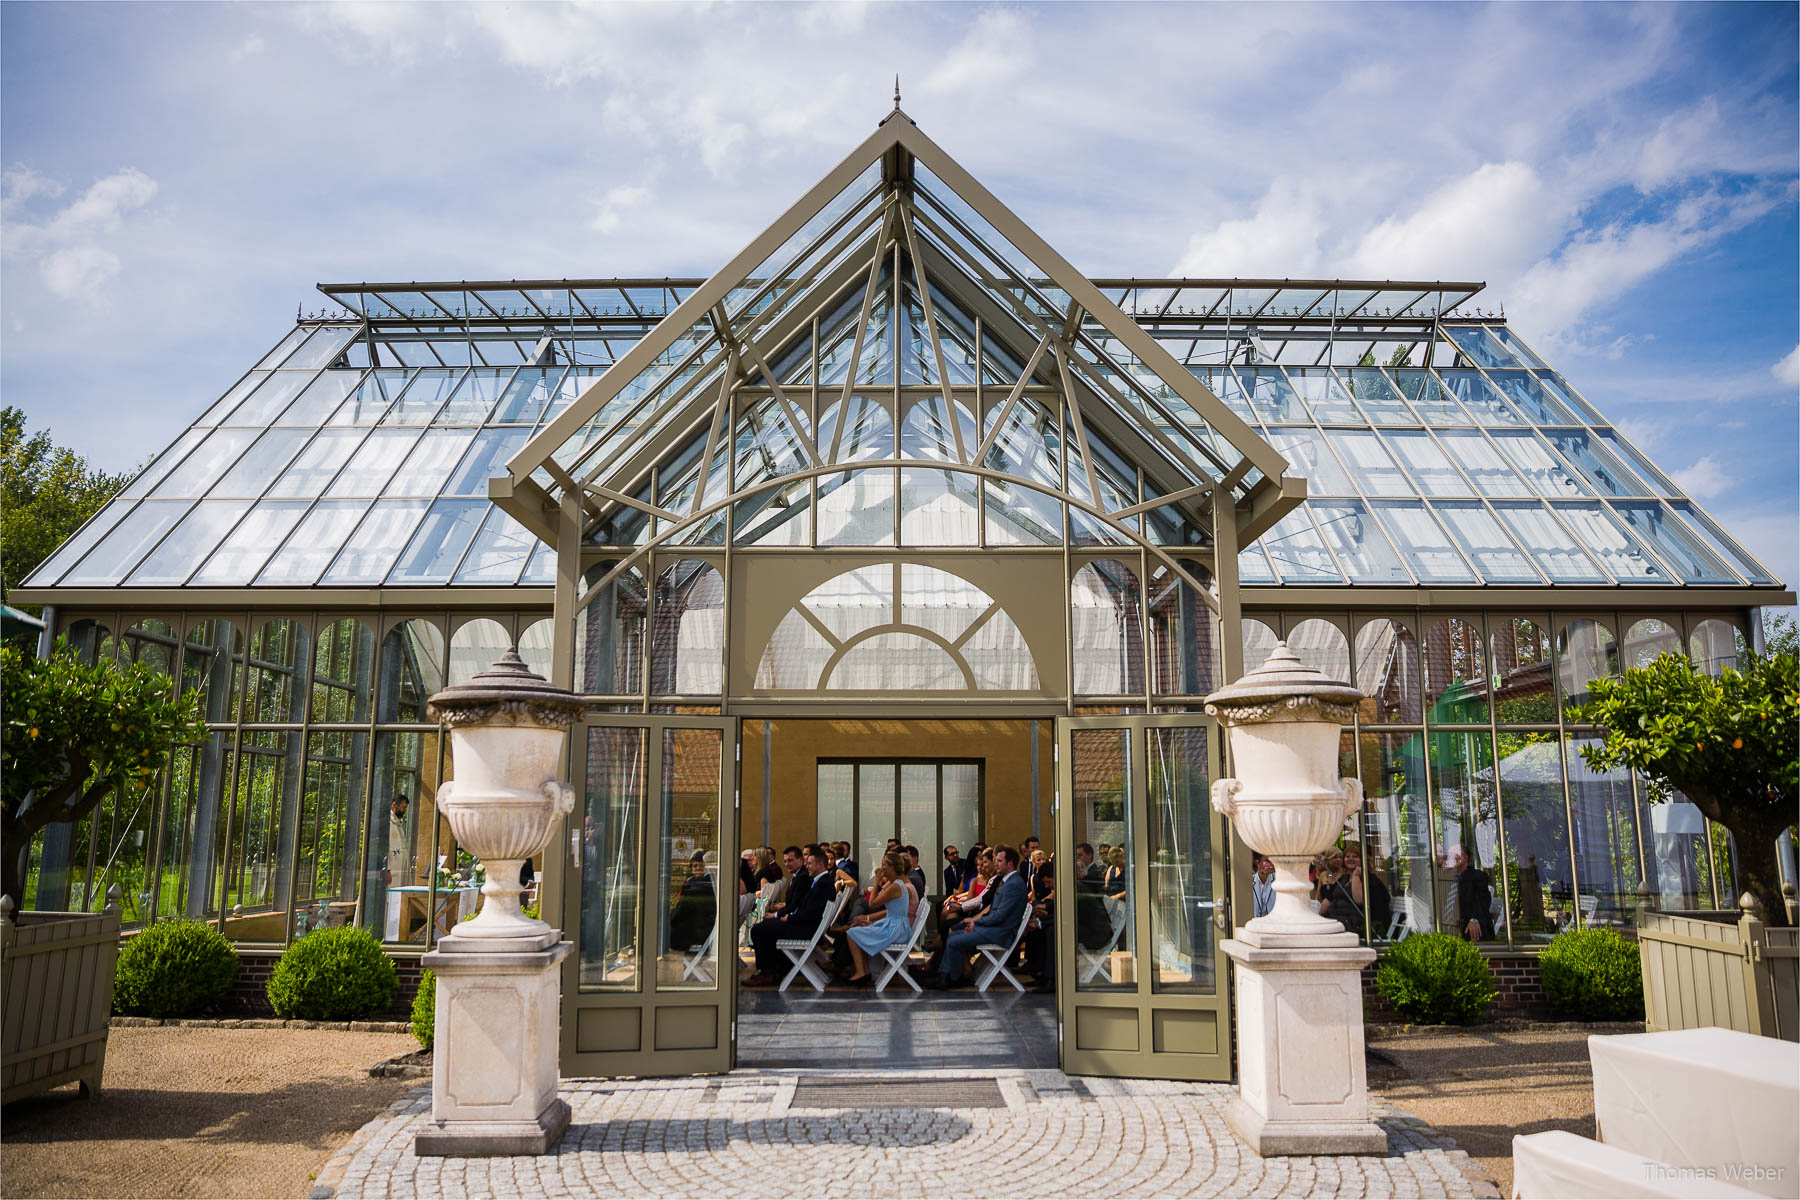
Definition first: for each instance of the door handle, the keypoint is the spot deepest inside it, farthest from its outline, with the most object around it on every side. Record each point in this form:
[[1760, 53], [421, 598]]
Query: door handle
[[575, 849]]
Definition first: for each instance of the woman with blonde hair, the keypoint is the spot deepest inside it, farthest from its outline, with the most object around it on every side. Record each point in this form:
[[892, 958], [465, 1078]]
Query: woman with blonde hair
[[870, 934]]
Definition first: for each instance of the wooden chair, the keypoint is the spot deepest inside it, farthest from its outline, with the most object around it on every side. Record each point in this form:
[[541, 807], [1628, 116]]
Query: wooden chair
[[894, 955], [997, 957], [800, 951]]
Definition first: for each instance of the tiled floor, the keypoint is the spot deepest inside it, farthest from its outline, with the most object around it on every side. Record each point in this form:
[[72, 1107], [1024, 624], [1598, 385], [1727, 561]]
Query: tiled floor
[[896, 1030]]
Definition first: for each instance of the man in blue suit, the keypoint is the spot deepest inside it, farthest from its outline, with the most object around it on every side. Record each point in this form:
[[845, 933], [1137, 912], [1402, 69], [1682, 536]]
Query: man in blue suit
[[995, 926]]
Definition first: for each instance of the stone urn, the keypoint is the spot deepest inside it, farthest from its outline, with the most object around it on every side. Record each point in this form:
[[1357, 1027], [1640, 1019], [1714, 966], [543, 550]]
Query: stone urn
[[1287, 801], [508, 727]]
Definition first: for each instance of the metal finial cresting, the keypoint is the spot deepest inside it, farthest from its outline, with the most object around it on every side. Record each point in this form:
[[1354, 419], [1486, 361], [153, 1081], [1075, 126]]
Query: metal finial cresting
[[896, 89]]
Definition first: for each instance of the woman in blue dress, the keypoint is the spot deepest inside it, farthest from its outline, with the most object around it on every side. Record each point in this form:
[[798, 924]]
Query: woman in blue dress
[[871, 934]]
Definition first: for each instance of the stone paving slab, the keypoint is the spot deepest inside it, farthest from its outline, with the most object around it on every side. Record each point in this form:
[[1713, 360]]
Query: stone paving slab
[[737, 1135]]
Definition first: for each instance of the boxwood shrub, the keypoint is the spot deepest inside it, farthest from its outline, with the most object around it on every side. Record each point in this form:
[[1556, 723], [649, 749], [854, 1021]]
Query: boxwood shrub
[[1436, 979], [424, 1012], [1593, 975], [173, 969], [333, 975]]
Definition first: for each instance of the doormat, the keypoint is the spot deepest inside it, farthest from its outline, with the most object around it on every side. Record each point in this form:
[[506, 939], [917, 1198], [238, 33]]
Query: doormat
[[898, 1092]]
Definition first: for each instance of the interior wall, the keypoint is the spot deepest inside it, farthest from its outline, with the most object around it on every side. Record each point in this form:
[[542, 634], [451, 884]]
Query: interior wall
[[1010, 807]]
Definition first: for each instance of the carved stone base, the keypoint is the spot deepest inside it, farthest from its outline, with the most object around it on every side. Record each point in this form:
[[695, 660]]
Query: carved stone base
[[494, 1062], [1302, 1082]]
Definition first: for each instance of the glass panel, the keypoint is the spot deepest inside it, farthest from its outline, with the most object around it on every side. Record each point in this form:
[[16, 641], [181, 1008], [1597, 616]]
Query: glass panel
[[1539, 876], [146, 479], [371, 550], [1680, 867], [870, 433], [430, 462], [1429, 399], [373, 463], [1021, 516], [438, 545], [420, 402], [107, 563], [174, 560], [253, 879], [470, 403], [1427, 549], [1513, 345], [688, 642], [1318, 643], [1649, 639], [919, 815], [1259, 643], [1472, 341], [1462, 775], [1183, 634], [962, 805], [475, 646], [1181, 887], [499, 553], [1483, 463], [1621, 450], [1105, 632], [1429, 465], [937, 508], [412, 670], [326, 343], [1712, 644], [318, 463], [1357, 540], [836, 802], [1585, 651], [857, 508], [261, 463], [1377, 397], [1387, 670], [1524, 694], [1722, 545], [1455, 675], [1530, 396], [1106, 932], [285, 347], [310, 548], [1370, 464], [609, 635], [231, 399], [1399, 885], [1617, 550], [276, 675], [333, 809], [1478, 397], [1298, 551], [1556, 553], [271, 399], [1325, 396], [611, 849], [343, 672], [1274, 397], [1607, 865], [777, 517], [485, 459], [1485, 542], [1547, 476], [215, 456], [1691, 559], [321, 399], [692, 884], [1597, 466], [1312, 460], [876, 813]]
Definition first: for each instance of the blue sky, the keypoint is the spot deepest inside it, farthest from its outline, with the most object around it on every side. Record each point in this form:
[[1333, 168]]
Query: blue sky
[[177, 178]]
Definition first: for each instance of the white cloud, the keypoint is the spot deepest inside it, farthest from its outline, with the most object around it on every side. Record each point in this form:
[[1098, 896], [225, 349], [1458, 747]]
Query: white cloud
[[996, 51], [68, 248], [615, 206], [1282, 238], [1704, 478], [1482, 226], [1788, 369]]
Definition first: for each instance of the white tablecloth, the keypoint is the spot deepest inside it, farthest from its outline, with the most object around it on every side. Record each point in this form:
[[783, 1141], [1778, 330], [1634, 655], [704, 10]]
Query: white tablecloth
[[1557, 1165], [1708, 1098], [466, 900]]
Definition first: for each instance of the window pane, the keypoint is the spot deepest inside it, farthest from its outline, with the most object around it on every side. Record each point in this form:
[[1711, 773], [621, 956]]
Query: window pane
[[1370, 464], [609, 635], [1481, 400], [1616, 550], [1358, 542], [318, 463], [937, 508], [1484, 541], [1691, 559], [215, 456], [173, 561], [1429, 465], [1298, 551], [261, 463], [836, 802], [1462, 772], [1455, 674], [1483, 464], [413, 667], [1530, 397], [877, 815], [270, 400], [693, 886], [1428, 551], [1537, 836], [499, 552], [120, 549], [1400, 889], [1533, 459], [857, 509], [430, 462], [1549, 543], [687, 647], [373, 463], [1102, 787], [1312, 460], [1596, 465], [1104, 629], [312, 545], [486, 458], [438, 545], [1524, 692], [1387, 670], [1607, 866], [323, 397], [1181, 892]]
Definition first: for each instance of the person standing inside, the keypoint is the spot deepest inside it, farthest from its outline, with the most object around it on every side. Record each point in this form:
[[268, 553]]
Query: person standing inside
[[1262, 884], [1474, 898]]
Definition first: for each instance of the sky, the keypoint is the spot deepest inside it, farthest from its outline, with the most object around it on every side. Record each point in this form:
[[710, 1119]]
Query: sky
[[1625, 178]]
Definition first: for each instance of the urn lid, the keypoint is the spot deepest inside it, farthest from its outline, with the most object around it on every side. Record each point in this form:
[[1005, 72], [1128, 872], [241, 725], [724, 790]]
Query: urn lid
[[1284, 677], [508, 682]]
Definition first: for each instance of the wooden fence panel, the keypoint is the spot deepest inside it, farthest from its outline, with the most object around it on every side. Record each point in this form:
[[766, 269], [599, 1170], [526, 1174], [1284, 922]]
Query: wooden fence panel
[[56, 975]]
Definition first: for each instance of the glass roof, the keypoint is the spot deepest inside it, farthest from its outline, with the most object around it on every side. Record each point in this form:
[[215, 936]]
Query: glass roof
[[356, 453]]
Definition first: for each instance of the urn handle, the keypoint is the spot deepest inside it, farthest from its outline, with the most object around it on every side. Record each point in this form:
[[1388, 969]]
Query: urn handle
[[562, 797], [1353, 795], [1224, 796]]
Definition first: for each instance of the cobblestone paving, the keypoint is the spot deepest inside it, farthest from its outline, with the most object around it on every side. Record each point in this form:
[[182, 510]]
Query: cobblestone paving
[[737, 1135]]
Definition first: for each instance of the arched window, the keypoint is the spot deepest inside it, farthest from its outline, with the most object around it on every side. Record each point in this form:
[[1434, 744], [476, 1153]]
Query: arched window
[[475, 646], [1585, 651], [1456, 683], [1650, 639], [1321, 645], [1524, 692], [609, 634], [1713, 645], [1259, 643], [413, 661], [1387, 670], [1184, 658], [537, 647]]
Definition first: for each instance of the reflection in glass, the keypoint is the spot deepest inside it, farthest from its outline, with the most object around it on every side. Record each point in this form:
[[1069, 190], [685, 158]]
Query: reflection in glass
[[343, 668], [412, 669], [1456, 683], [692, 887], [1184, 659], [1539, 875], [611, 849], [1713, 645], [1396, 832], [1607, 865], [1180, 849], [333, 809], [1585, 651], [1107, 640], [1387, 671], [1106, 937], [609, 635], [1523, 691], [688, 640], [1322, 645], [1358, 542], [1462, 776]]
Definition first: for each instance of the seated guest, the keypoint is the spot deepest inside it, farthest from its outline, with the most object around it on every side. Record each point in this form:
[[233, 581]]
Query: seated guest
[[1086, 869], [1347, 903], [1117, 877], [1093, 924], [1262, 884], [845, 863], [799, 918], [997, 925], [791, 876], [696, 905], [961, 906], [871, 934], [956, 872], [915, 870], [1039, 942]]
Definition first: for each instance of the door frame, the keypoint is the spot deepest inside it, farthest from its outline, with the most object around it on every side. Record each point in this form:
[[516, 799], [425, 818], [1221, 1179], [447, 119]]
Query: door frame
[[1145, 1045], [598, 1037]]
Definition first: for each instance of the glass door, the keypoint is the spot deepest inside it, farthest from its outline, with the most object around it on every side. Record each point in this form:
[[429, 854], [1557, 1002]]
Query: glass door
[[650, 898], [1142, 985]]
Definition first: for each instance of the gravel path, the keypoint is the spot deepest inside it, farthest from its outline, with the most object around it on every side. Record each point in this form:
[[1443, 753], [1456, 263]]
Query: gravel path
[[197, 1111]]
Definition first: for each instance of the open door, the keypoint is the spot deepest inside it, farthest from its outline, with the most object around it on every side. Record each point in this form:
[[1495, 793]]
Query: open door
[[650, 898], [1142, 986]]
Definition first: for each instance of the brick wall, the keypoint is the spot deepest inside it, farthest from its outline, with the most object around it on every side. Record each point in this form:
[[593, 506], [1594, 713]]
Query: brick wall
[[250, 996], [1516, 978]]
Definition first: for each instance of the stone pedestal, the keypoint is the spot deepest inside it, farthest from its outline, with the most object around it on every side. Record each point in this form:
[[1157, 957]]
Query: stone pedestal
[[1302, 1082], [493, 1090]]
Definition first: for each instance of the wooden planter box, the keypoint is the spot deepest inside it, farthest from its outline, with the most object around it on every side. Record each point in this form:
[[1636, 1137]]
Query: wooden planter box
[[56, 981], [1722, 969]]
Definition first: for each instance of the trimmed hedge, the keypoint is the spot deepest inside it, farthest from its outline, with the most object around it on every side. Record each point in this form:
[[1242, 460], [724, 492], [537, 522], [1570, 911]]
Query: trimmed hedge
[[424, 1012], [1593, 975], [333, 975], [1436, 979], [173, 969]]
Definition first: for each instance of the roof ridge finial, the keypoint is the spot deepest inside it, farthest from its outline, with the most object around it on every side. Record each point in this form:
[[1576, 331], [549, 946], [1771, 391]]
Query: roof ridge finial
[[896, 91]]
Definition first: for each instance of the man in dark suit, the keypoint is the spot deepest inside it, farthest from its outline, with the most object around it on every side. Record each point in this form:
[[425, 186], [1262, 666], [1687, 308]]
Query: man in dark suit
[[794, 886], [1093, 926], [956, 872], [797, 920], [1027, 850], [845, 863], [997, 925], [696, 907]]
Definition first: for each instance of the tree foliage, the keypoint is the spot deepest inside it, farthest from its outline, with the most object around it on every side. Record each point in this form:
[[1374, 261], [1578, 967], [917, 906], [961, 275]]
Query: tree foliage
[[46, 493], [71, 733], [1729, 744]]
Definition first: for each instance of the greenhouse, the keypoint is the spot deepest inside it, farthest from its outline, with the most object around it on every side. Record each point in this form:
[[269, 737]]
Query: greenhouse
[[896, 526]]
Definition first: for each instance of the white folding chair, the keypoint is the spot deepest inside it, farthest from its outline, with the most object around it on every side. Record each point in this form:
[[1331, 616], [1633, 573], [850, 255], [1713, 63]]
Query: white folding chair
[[997, 957], [800, 951], [698, 964], [1093, 962], [894, 955]]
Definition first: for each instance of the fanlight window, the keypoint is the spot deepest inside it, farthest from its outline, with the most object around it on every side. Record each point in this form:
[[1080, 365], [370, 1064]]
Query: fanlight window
[[897, 627]]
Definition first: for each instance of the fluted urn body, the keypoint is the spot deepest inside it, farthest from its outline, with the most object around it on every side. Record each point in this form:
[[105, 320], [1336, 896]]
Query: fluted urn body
[[508, 727], [1287, 801]]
